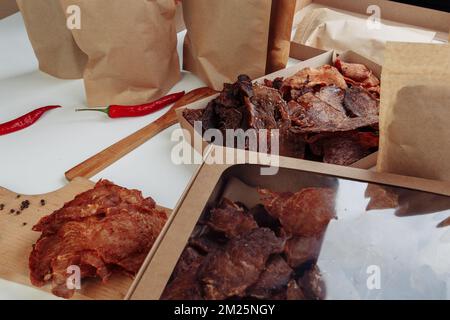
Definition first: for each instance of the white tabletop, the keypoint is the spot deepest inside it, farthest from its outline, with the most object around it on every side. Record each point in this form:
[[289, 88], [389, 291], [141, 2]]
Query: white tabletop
[[33, 161]]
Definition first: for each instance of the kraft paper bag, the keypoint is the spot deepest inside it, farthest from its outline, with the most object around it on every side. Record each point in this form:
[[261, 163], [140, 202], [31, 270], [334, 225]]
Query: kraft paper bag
[[279, 43], [226, 38], [52, 41], [327, 29], [415, 111], [131, 49], [7, 8]]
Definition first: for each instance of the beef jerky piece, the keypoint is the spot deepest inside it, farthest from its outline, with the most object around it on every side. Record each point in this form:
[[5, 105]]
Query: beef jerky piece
[[343, 151], [311, 112], [294, 292], [230, 117], [193, 115], [276, 83], [231, 219], [276, 276], [121, 240], [310, 77], [355, 71], [381, 197], [230, 271], [295, 94], [265, 109], [185, 286], [187, 258], [291, 144], [105, 198], [360, 103], [264, 219], [305, 213], [209, 118], [341, 125], [334, 96], [312, 285], [299, 250], [204, 243]]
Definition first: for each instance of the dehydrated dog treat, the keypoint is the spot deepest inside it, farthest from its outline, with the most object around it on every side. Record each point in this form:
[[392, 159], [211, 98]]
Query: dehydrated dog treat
[[339, 101], [106, 229], [267, 252]]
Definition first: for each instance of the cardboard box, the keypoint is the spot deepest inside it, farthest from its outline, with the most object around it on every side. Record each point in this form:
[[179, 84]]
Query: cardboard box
[[400, 232], [429, 19], [312, 58]]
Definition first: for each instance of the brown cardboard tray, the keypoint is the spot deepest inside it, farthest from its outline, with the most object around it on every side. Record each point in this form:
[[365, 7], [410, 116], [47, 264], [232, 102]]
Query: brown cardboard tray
[[315, 58], [403, 239]]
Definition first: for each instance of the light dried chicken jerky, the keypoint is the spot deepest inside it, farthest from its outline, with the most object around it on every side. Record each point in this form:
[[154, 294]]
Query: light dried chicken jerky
[[104, 229], [359, 75], [305, 213], [311, 77], [229, 272]]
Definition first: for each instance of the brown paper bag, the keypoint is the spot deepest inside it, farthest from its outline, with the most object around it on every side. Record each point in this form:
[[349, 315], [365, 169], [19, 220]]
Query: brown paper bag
[[226, 38], [415, 111], [327, 29], [7, 8], [131, 47], [53, 44], [281, 20]]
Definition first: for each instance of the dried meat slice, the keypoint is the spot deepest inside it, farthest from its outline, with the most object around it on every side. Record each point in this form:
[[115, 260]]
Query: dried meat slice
[[310, 77], [305, 213], [312, 284], [104, 199], [231, 219], [274, 278], [193, 115], [343, 151], [265, 108], [381, 197], [96, 244], [185, 286], [360, 103], [311, 112], [300, 250], [334, 96], [231, 271]]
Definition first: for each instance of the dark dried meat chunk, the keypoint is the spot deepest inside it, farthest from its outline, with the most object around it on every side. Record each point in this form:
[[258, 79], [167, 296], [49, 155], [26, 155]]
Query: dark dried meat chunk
[[193, 115], [231, 219], [305, 213], [343, 151], [185, 286], [312, 284], [274, 278], [229, 272], [300, 250]]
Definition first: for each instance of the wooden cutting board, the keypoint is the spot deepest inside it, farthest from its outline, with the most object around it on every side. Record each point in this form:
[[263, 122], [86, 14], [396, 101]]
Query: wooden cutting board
[[17, 238]]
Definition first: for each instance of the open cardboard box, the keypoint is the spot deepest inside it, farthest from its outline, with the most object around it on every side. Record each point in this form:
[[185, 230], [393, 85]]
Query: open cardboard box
[[309, 57], [400, 13], [403, 240]]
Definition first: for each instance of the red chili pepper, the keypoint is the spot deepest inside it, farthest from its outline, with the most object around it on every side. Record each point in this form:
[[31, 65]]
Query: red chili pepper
[[116, 111], [24, 121]]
